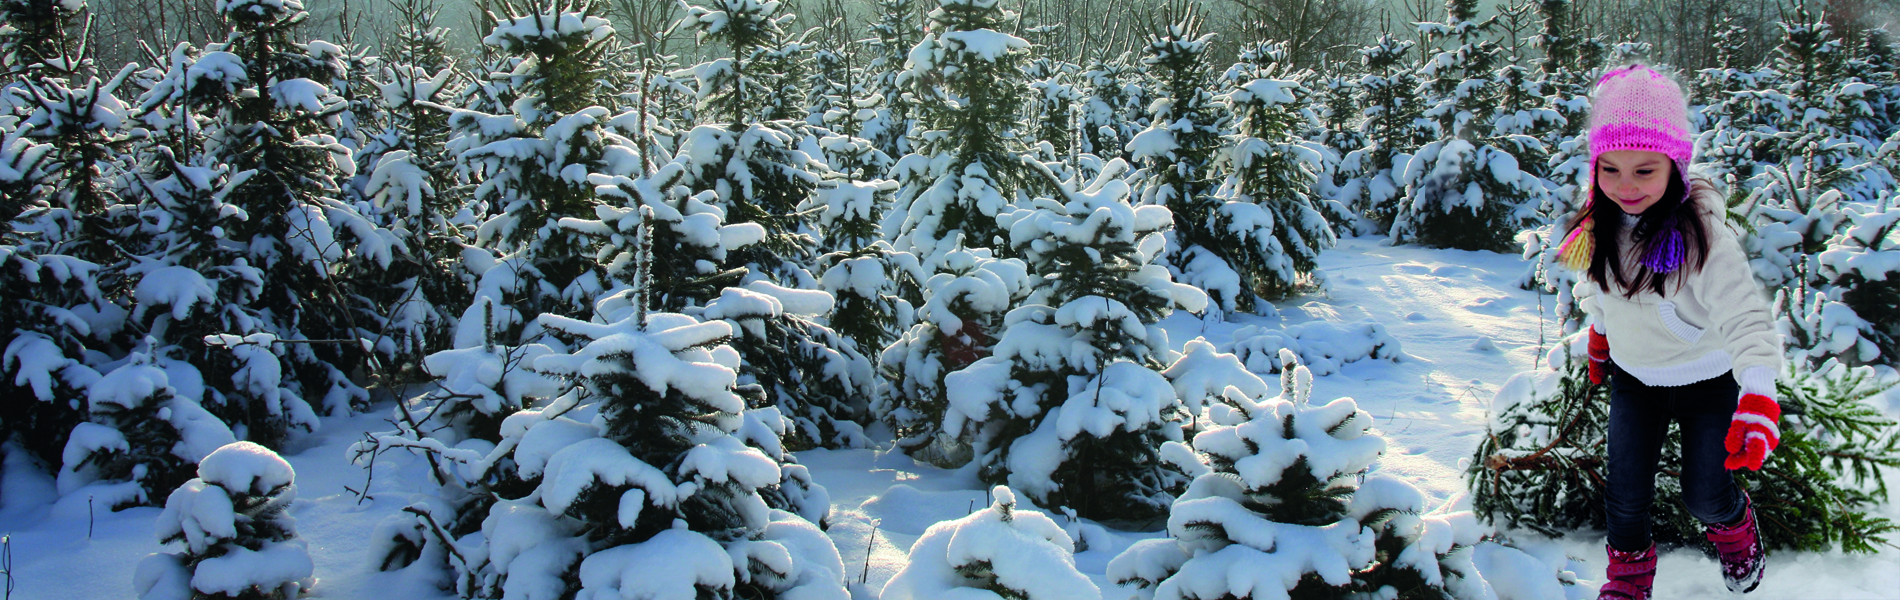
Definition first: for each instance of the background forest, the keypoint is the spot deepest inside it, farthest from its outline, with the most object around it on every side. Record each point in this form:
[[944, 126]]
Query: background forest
[[609, 264]]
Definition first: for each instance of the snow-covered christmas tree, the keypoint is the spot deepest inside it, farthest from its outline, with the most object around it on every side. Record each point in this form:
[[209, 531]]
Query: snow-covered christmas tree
[[239, 540], [967, 168], [273, 133], [1281, 506], [1005, 550], [648, 475], [1209, 247], [1269, 225], [1071, 407], [145, 436], [1467, 189], [1394, 128]]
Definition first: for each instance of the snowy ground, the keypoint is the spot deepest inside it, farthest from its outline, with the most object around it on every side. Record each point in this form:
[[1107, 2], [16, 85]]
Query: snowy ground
[[1463, 325]]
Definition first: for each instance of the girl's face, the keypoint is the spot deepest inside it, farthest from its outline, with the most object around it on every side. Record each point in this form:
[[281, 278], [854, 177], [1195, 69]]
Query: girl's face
[[1634, 179]]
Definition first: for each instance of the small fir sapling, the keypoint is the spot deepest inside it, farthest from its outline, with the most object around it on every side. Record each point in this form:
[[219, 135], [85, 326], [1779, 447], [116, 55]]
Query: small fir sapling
[[145, 436], [1467, 189], [657, 493], [1280, 507], [1003, 551], [239, 540], [1395, 126], [1730, 115], [1269, 227], [968, 298], [1177, 154], [1790, 222], [1071, 406]]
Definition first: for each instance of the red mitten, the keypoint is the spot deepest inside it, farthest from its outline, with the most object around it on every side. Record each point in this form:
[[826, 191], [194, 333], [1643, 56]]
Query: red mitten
[[1599, 356], [1753, 432]]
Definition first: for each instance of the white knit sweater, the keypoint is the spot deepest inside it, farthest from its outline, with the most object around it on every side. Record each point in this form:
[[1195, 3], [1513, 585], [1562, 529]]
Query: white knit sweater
[[1710, 322]]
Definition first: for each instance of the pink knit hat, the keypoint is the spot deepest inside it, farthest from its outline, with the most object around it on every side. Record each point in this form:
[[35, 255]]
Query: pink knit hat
[[1636, 108]]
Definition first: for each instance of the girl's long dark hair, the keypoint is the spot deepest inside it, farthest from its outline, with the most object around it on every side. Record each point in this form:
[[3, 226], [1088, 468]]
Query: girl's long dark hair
[[1675, 210]]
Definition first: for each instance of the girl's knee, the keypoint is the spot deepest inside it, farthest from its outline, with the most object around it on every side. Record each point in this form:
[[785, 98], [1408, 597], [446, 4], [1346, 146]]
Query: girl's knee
[[1720, 505]]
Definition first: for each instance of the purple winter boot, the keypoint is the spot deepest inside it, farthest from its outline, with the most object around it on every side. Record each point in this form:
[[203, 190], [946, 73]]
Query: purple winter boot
[[1740, 548], [1631, 574]]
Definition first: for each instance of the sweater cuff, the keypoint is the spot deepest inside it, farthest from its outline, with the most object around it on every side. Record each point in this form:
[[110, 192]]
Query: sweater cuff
[[1757, 380]]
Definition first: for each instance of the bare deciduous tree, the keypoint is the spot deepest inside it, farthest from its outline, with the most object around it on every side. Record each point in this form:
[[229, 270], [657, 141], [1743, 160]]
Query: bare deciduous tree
[[1310, 29]]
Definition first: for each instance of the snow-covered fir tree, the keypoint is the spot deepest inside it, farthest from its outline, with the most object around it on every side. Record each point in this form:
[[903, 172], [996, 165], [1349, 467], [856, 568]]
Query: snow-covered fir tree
[[1569, 57], [1211, 247], [1051, 110], [1394, 128], [1335, 106], [868, 277], [86, 124], [1004, 551], [298, 335], [649, 473], [1071, 407], [968, 167], [1816, 97], [40, 36], [239, 538], [44, 290], [765, 172], [145, 436], [533, 159], [966, 303], [531, 162], [760, 168], [1281, 506], [1108, 110], [1562, 79], [1268, 224], [409, 176], [896, 30], [1858, 266], [1730, 115], [1467, 189]]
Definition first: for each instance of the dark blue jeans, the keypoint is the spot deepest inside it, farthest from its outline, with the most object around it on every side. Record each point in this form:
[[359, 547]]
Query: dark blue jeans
[[1639, 424]]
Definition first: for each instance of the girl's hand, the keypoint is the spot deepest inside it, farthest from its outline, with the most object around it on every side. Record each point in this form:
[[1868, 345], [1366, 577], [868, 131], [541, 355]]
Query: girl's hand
[[1599, 356], [1753, 432]]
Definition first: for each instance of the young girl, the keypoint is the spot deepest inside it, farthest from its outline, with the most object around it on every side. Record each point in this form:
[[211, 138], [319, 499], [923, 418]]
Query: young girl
[[1680, 328]]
